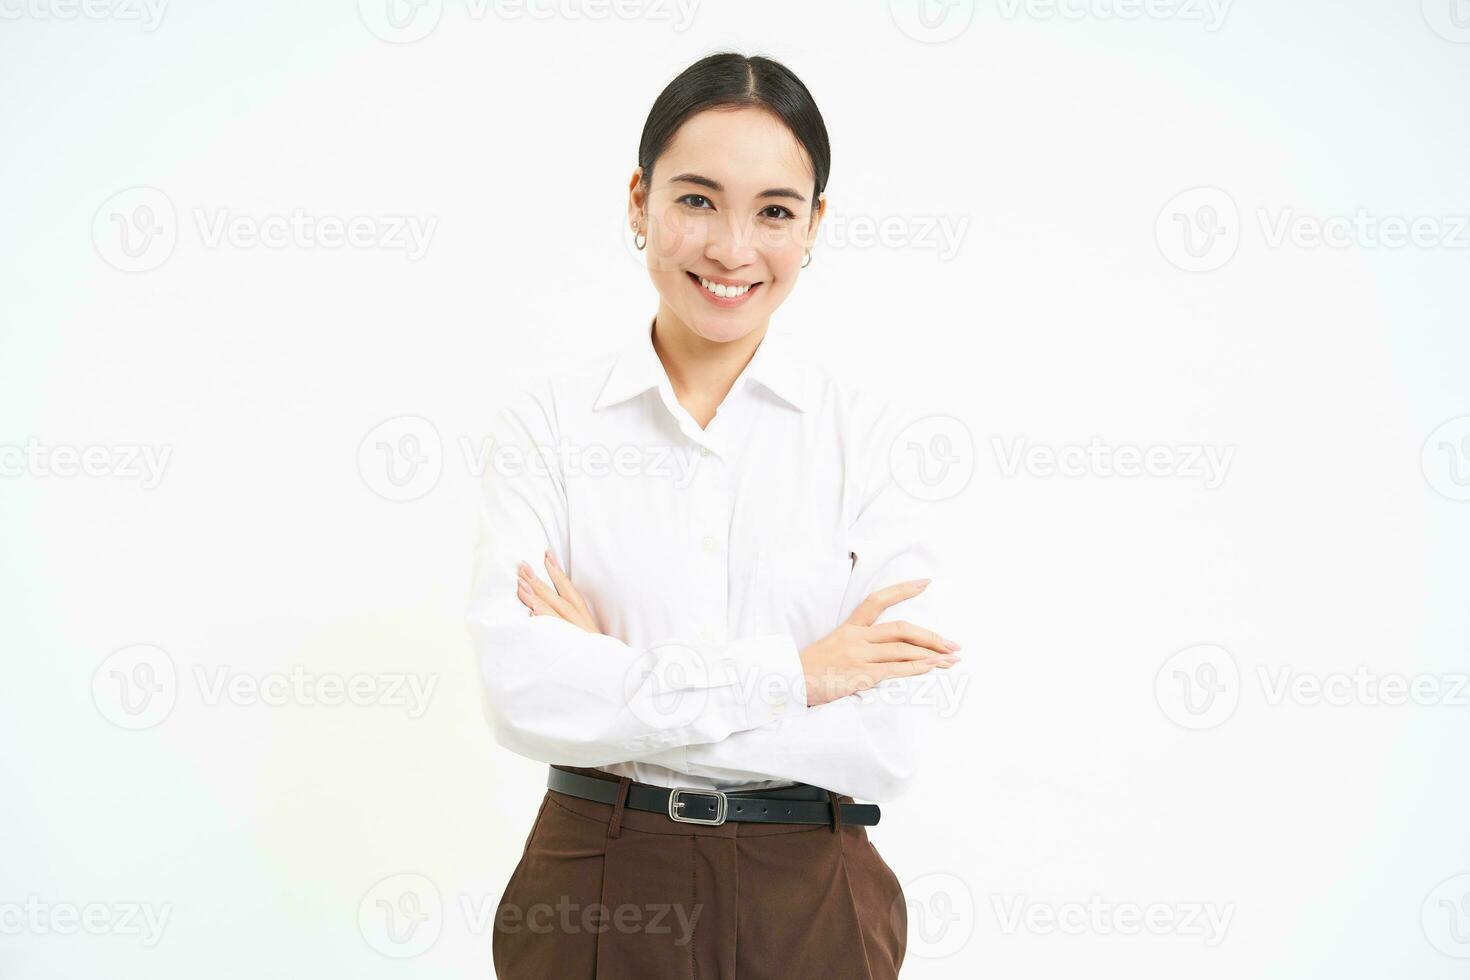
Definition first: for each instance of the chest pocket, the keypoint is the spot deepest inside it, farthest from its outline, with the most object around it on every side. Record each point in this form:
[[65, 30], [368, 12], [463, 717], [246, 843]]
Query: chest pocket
[[800, 591]]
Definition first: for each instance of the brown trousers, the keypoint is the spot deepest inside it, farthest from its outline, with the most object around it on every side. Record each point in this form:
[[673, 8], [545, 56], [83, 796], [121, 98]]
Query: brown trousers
[[602, 891]]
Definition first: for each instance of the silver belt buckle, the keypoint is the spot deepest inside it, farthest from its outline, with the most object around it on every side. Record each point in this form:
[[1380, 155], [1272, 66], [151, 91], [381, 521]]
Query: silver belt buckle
[[721, 806]]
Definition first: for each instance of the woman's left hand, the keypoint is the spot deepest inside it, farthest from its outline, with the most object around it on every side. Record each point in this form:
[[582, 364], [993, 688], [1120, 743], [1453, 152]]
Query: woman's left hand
[[563, 602]]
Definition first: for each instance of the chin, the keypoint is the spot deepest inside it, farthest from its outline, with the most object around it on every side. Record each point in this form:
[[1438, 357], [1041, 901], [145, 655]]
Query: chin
[[722, 330]]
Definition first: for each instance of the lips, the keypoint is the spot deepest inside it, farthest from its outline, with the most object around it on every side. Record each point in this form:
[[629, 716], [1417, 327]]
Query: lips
[[723, 293], [723, 282]]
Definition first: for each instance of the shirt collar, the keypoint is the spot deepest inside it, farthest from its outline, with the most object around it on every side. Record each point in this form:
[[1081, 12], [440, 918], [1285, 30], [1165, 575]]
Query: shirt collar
[[638, 369]]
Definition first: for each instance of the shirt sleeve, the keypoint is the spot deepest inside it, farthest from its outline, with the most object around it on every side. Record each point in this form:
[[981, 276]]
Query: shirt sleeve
[[556, 693], [868, 745]]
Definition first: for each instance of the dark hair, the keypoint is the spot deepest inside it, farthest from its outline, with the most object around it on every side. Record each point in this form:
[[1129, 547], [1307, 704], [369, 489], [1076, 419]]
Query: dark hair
[[733, 80]]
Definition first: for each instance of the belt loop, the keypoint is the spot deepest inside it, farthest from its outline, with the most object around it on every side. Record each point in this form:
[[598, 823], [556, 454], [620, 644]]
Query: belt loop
[[615, 825], [836, 811]]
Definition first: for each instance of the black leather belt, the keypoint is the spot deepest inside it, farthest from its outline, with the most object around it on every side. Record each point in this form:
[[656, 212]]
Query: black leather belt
[[801, 803]]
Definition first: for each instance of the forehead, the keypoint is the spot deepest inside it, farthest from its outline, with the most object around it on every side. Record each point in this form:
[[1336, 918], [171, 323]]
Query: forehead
[[746, 149]]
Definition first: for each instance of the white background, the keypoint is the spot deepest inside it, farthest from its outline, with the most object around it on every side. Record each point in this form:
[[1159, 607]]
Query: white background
[[1082, 775]]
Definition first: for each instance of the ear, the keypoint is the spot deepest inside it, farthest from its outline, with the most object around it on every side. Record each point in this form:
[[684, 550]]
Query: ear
[[818, 213], [637, 203]]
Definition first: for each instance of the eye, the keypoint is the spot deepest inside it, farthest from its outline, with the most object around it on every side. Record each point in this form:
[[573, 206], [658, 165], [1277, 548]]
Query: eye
[[689, 199], [784, 214]]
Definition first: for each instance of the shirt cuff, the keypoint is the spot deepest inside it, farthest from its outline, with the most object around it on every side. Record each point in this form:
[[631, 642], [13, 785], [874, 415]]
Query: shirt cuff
[[772, 681]]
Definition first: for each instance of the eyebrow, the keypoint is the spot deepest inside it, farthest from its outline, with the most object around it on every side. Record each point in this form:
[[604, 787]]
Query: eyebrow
[[715, 185]]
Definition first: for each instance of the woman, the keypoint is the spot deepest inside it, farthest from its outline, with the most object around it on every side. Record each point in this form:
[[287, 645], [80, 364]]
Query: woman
[[731, 568]]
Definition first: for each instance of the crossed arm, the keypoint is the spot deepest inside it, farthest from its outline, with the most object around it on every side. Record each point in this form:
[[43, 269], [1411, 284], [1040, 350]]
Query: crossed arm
[[558, 690]]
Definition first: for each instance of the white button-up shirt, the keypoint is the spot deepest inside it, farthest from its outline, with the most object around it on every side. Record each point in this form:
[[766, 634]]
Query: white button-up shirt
[[710, 558]]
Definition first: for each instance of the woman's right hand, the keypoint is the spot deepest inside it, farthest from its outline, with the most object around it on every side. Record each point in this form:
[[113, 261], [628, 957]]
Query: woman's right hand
[[857, 655]]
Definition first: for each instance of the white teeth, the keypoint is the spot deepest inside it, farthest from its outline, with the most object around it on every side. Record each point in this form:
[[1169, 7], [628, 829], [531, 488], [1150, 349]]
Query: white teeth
[[724, 292]]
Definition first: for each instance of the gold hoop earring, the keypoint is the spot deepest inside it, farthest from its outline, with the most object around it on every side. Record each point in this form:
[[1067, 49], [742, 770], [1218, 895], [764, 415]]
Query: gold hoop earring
[[637, 244], [808, 260]]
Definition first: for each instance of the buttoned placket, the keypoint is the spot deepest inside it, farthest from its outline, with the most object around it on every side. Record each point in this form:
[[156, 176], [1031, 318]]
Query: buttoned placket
[[709, 534], [711, 510]]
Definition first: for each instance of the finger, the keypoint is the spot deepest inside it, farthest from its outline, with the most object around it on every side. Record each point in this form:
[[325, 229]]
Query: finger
[[547, 601], [912, 668], [900, 629], [543, 592], [867, 612], [905, 668], [875, 674], [564, 586], [547, 594], [526, 593], [528, 598], [894, 652], [568, 591]]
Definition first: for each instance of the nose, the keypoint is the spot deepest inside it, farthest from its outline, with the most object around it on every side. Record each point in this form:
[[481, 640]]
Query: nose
[[732, 242]]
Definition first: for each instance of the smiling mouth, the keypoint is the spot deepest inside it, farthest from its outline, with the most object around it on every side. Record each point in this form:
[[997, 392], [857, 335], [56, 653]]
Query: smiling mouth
[[722, 291]]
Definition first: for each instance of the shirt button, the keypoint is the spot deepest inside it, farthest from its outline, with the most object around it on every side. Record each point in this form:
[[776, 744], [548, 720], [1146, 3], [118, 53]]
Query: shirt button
[[710, 544], [704, 450]]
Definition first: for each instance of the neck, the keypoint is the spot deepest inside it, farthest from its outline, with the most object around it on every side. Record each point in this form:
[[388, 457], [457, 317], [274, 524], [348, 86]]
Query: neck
[[701, 371]]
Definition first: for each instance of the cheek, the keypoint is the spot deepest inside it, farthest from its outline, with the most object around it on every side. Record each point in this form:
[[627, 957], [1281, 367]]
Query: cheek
[[669, 282], [783, 248], [785, 265], [780, 240], [676, 239]]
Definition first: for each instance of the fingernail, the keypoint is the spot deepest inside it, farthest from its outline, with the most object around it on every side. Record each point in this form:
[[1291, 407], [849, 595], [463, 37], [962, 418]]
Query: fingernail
[[923, 583], [951, 644]]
